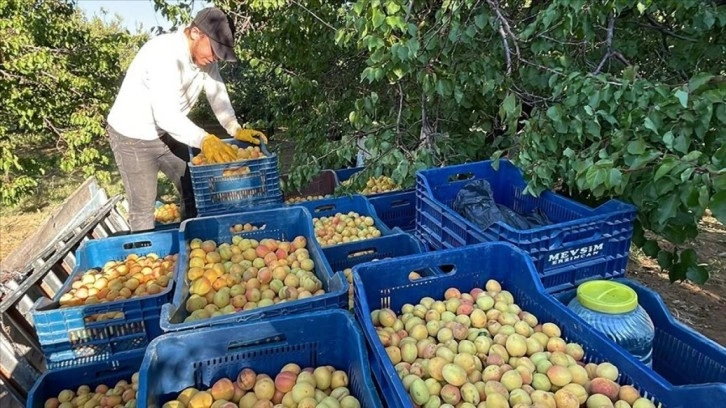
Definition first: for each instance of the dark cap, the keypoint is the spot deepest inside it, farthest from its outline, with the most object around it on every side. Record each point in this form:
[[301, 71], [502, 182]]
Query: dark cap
[[220, 29]]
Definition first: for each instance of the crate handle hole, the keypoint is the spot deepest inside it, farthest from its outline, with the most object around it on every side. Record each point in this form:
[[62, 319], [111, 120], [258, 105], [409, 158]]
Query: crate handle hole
[[422, 274], [238, 345], [109, 371], [138, 244], [361, 252], [105, 317], [241, 228], [461, 176], [400, 203], [447, 269], [326, 207]]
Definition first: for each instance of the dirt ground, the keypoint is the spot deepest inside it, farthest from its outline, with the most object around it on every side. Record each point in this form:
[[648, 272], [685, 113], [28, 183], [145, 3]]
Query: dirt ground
[[702, 307]]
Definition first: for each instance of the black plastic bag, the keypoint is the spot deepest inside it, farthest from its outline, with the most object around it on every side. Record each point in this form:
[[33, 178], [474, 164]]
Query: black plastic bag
[[475, 202]]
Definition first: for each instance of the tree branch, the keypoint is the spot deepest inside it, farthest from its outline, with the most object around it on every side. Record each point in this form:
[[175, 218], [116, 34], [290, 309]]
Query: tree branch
[[400, 109], [503, 21], [313, 14], [658, 26], [540, 66], [56, 131], [608, 42], [505, 31], [507, 51], [620, 57], [425, 135]]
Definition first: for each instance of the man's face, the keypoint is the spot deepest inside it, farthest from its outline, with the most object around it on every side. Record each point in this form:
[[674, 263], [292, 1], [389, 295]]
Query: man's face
[[202, 52]]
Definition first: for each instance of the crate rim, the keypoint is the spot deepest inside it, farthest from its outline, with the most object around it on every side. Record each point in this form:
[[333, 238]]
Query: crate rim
[[621, 207], [356, 331], [262, 146], [329, 277], [648, 382]]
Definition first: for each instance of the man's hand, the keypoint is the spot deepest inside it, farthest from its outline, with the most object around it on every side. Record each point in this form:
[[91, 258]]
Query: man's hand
[[217, 151], [250, 136]]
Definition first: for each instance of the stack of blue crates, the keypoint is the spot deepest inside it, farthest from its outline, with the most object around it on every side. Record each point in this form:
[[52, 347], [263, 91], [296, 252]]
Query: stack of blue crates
[[420, 232], [218, 190], [80, 349], [70, 334]]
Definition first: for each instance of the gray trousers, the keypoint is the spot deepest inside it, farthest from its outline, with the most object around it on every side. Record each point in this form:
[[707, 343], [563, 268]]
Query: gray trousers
[[139, 162]]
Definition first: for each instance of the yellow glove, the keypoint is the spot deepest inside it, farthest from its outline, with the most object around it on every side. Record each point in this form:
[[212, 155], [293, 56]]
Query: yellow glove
[[249, 135], [217, 151]]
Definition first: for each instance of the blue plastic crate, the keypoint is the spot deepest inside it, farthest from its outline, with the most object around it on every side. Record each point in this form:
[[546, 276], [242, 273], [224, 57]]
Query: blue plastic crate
[[681, 356], [281, 223], [357, 203], [345, 256], [384, 284], [91, 373], [577, 234], [347, 173], [323, 184], [397, 209], [158, 226], [65, 335], [199, 358], [215, 193]]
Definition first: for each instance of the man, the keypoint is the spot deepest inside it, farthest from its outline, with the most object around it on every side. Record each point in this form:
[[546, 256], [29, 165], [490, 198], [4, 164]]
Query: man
[[148, 127]]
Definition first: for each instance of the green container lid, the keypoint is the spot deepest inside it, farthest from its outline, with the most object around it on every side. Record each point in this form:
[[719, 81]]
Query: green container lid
[[606, 296]]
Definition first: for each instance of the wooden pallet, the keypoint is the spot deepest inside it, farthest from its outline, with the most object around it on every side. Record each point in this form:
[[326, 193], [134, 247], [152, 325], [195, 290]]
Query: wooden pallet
[[21, 358]]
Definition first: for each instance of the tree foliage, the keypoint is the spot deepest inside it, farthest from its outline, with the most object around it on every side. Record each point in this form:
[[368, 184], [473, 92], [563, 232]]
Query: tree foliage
[[598, 99], [59, 74], [601, 99]]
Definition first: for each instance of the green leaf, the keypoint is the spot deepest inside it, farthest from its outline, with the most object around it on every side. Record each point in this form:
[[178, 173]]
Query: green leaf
[[630, 73], [719, 157], [392, 7], [698, 81], [651, 248], [682, 97], [689, 196], [594, 177], [636, 147], [480, 21], [554, 113], [665, 168], [458, 95], [689, 259], [703, 196], [396, 22], [665, 259], [686, 174], [616, 177], [666, 209], [378, 18], [509, 104], [677, 272], [708, 19], [681, 144], [718, 206], [692, 156], [668, 139], [697, 274], [650, 125], [719, 182], [638, 234], [402, 53]]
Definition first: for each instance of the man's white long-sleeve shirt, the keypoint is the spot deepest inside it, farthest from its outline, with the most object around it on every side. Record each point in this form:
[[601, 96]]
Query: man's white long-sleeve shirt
[[161, 86]]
